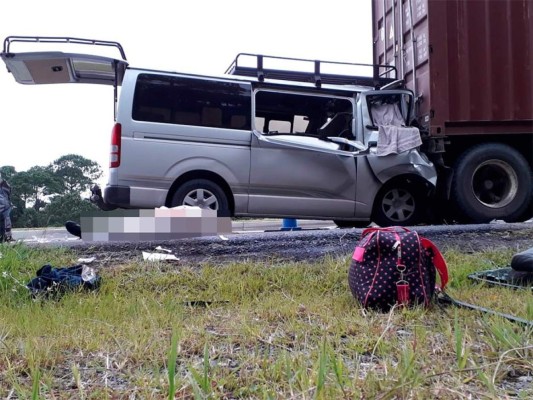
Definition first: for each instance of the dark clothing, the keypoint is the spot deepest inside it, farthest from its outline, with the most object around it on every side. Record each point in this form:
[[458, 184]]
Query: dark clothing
[[50, 280], [5, 210]]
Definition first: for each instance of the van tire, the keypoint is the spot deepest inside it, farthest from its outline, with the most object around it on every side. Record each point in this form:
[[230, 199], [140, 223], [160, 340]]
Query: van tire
[[202, 193], [492, 181], [399, 203]]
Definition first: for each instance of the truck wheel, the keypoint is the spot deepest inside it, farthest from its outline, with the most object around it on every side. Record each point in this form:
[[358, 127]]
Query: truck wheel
[[202, 193], [492, 181], [399, 203]]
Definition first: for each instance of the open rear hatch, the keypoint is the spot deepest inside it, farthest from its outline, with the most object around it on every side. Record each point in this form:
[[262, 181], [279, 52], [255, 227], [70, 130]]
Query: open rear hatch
[[32, 68]]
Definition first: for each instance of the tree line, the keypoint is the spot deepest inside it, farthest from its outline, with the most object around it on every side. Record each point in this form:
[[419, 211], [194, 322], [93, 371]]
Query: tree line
[[53, 194]]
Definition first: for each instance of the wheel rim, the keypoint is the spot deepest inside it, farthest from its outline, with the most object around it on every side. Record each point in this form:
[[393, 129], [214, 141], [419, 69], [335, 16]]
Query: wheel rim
[[494, 183], [398, 205], [202, 198]]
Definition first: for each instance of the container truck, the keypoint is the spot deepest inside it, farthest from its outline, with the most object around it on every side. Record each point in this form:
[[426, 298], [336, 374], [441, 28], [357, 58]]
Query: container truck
[[469, 64]]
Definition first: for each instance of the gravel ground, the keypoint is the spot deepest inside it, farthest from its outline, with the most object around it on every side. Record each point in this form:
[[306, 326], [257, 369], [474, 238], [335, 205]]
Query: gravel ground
[[305, 245]]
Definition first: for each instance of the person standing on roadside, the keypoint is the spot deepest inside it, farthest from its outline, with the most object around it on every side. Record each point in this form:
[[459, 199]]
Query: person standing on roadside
[[5, 211]]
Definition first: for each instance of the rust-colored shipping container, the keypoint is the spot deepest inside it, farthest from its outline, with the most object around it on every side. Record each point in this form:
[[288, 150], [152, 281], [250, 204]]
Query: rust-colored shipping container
[[473, 80]]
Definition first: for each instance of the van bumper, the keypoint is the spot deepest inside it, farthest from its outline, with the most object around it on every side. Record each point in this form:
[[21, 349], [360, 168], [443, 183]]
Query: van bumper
[[119, 196]]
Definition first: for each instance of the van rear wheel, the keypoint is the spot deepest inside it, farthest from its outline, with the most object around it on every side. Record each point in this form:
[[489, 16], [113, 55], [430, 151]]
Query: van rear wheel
[[202, 193]]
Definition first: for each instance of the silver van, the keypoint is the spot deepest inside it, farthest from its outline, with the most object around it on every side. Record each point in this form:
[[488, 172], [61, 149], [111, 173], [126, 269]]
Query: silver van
[[261, 140]]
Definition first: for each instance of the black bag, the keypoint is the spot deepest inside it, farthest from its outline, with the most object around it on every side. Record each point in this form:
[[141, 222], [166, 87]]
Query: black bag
[[395, 266], [523, 261]]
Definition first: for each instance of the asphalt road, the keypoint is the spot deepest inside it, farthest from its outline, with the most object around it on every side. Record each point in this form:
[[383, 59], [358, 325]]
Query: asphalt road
[[264, 240], [309, 244], [243, 226]]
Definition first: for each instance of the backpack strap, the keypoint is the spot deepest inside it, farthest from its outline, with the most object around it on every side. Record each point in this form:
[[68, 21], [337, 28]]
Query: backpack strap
[[386, 229], [438, 261]]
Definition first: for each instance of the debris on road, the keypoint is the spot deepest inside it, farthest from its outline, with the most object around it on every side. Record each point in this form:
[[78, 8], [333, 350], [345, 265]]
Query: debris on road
[[163, 249], [158, 256], [86, 260]]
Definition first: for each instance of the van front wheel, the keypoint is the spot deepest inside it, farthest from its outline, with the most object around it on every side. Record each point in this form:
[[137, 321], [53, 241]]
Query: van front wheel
[[204, 194], [400, 203]]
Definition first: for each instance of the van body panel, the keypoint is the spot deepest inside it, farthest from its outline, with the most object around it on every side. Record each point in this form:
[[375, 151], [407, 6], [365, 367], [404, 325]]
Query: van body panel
[[156, 164], [164, 160], [364, 198], [147, 197], [301, 176], [194, 135]]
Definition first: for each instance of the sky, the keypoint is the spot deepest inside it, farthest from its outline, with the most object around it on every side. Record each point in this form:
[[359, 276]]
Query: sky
[[40, 123]]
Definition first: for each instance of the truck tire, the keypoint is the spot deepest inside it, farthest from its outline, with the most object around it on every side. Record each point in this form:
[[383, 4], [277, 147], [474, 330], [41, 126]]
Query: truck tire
[[202, 193], [399, 203], [492, 181]]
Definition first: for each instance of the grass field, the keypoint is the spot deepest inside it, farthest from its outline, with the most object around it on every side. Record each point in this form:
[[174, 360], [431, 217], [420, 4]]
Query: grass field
[[254, 330]]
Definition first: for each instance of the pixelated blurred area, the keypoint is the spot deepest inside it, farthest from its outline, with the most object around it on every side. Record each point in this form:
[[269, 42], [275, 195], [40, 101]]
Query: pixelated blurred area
[[152, 225]]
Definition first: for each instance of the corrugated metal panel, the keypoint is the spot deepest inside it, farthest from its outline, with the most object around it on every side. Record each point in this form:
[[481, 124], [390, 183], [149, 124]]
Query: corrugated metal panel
[[474, 60]]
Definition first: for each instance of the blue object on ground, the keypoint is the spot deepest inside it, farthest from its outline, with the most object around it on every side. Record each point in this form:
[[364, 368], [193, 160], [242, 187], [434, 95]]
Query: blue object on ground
[[290, 224]]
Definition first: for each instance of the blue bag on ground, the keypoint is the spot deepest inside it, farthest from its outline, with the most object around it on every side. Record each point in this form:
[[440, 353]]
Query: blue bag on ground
[[58, 280]]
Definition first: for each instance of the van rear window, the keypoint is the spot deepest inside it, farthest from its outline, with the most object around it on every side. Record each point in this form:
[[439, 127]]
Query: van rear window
[[191, 101]]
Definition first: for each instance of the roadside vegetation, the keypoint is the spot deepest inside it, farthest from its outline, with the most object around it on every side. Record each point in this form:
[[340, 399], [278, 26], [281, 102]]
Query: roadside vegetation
[[50, 195], [269, 330]]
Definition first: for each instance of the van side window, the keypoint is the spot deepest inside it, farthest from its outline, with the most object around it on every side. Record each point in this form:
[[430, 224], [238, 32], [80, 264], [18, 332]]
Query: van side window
[[189, 101], [304, 114]]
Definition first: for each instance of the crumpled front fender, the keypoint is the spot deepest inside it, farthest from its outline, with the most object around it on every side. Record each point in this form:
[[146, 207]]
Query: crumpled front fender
[[409, 162]]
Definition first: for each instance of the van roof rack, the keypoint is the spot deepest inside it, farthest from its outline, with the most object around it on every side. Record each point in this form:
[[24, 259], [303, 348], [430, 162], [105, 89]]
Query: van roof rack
[[311, 71]]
